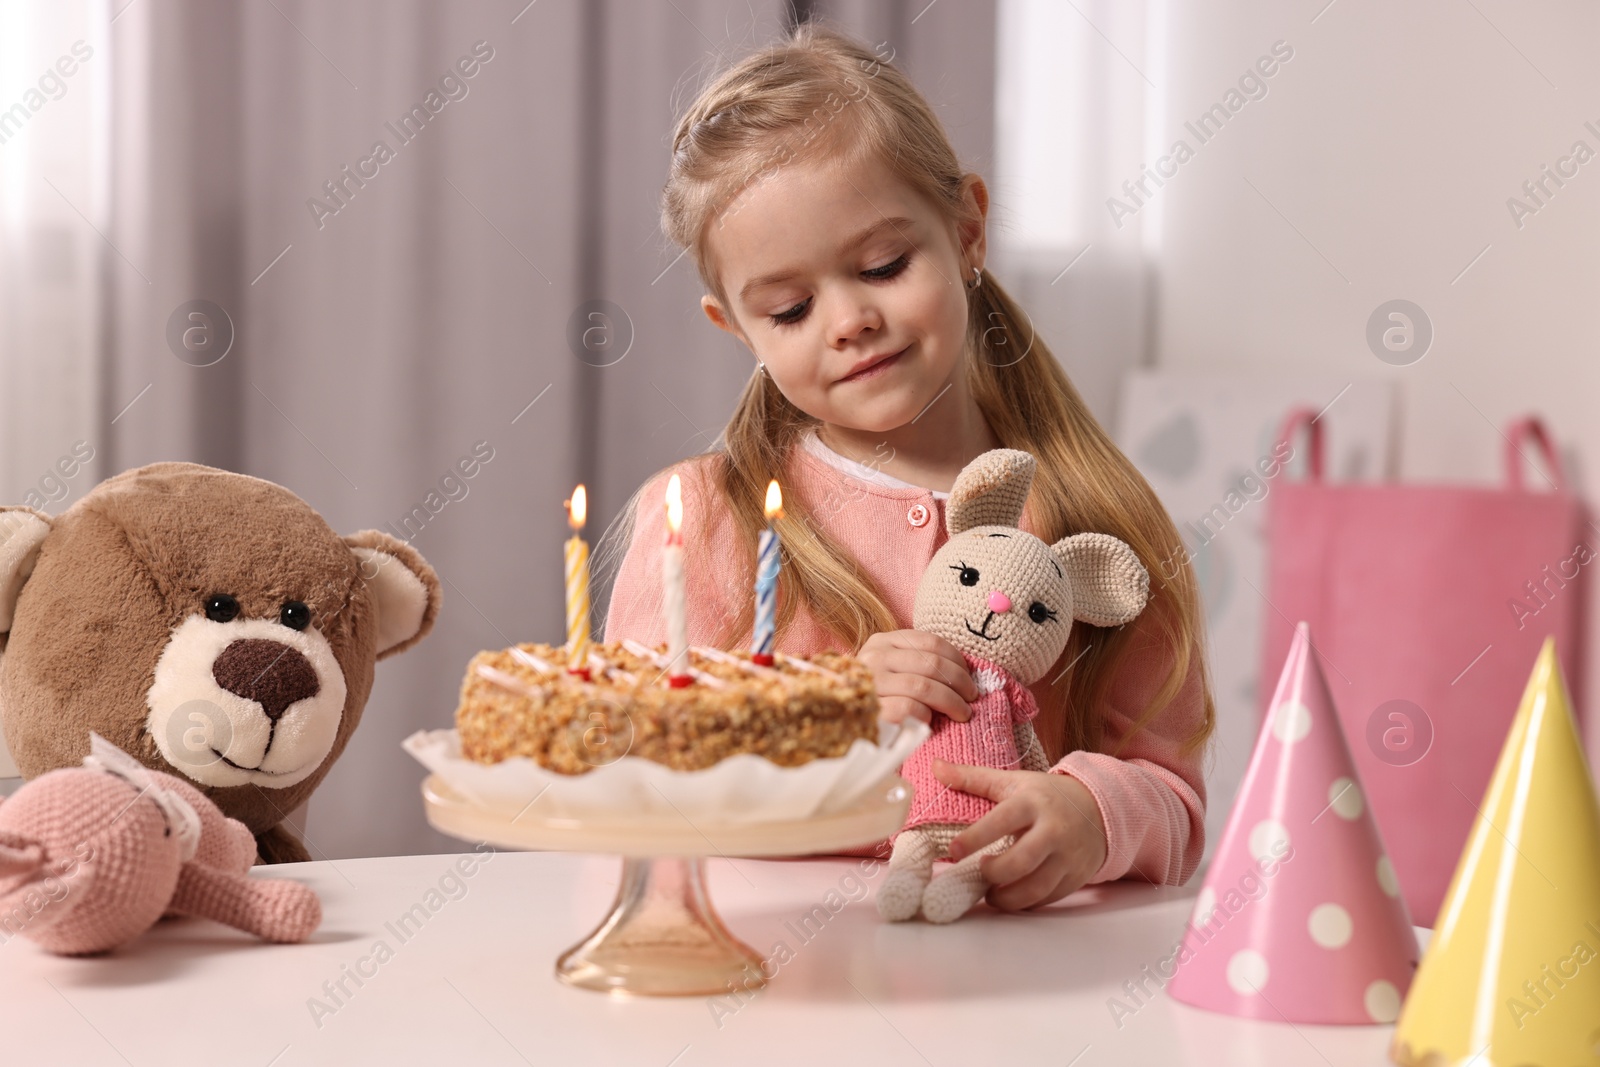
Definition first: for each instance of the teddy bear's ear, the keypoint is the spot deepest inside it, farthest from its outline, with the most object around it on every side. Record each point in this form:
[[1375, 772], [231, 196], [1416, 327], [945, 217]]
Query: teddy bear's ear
[[1109, 584], [990, 491], [22, 531], [405, 590]]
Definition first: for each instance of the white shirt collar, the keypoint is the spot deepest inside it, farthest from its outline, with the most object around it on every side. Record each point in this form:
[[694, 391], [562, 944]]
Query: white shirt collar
[[872, 475]]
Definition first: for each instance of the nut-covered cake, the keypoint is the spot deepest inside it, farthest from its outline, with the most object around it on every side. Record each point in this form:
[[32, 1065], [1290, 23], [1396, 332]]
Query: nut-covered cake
[[522, 701]]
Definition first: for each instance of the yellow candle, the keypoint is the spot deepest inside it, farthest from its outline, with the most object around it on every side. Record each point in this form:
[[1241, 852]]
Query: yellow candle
[[577, 560]]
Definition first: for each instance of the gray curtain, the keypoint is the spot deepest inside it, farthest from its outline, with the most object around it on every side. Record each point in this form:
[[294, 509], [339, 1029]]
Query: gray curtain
[[375, 344]]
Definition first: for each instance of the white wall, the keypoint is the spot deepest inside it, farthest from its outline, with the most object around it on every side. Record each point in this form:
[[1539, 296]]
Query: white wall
[[1388, 147], [1376, 165], [1392, 141]]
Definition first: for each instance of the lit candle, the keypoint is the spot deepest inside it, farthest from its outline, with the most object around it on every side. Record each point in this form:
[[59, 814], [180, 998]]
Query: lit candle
[[767, 581], [577, 558], [672, 577]]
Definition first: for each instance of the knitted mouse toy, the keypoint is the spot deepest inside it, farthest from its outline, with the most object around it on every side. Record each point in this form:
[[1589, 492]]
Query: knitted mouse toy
[[1007, 601], [92, 856]]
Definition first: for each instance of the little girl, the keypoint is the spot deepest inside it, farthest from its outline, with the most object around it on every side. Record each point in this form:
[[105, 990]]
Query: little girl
[[839, 239]]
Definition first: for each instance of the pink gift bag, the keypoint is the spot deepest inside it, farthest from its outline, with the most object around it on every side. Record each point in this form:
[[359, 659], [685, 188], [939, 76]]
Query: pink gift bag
[[1427, 606]]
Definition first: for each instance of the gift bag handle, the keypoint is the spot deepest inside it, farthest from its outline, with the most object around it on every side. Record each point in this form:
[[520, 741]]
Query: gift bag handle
[[1310, 419], [1516, 433], [1525, 427]]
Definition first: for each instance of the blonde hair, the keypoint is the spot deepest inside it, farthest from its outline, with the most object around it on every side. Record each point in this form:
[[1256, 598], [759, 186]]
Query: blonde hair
[[821, 94]]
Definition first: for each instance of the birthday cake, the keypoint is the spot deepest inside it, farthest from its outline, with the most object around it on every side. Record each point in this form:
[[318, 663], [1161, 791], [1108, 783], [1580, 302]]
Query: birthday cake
[[522, 701]]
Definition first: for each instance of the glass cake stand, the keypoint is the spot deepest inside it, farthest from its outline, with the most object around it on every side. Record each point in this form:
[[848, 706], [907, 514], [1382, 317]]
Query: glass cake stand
[[662, 936]]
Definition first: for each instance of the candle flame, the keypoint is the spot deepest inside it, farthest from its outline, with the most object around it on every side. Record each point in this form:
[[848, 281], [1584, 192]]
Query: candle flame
[[774, 500], [577, 508], [674, 504]]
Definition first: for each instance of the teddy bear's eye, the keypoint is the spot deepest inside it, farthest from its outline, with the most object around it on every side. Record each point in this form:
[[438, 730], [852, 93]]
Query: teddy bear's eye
[[1039, 613], [295, 615], [969, 575], [221, 608]]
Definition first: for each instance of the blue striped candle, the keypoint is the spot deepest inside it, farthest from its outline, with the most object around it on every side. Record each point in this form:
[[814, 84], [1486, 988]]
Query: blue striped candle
[[767, 581]]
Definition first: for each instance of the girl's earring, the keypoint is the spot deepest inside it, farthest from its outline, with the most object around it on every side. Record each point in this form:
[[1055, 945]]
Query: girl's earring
[[763, 368], [977, 278]]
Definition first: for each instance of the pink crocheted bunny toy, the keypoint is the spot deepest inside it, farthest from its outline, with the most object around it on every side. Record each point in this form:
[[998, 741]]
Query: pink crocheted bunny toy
[[92, 856], [1007, 601]]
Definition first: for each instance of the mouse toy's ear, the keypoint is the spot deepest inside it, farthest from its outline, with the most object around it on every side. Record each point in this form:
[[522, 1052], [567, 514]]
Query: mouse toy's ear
[[990, 491], [404, 589], [22, 531], [22, 864], [1109, 584], [19, 855]]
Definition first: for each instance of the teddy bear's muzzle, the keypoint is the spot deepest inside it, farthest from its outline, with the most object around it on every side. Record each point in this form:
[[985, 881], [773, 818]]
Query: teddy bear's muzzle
[[247, 701], [268, 672]]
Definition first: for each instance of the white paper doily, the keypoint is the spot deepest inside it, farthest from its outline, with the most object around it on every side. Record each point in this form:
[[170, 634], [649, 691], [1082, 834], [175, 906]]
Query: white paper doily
[[740, 789]]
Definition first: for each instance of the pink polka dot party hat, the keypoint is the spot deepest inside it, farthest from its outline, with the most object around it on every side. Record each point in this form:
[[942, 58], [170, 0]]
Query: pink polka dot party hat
[[1300, 918]]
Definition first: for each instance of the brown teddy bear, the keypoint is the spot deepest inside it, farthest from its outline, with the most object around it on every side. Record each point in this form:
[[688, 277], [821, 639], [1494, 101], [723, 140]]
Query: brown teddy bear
[[209, 623]]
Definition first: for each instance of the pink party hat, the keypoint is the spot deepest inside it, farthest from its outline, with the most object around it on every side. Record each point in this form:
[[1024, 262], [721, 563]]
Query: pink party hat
[[1300, 918]]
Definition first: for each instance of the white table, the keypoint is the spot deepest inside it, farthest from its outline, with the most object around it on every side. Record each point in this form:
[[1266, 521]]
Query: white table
[[474, 983]]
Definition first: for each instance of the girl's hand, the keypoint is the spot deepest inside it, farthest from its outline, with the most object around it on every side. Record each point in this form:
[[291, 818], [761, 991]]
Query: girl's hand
[[917, 674], [1060, 835]]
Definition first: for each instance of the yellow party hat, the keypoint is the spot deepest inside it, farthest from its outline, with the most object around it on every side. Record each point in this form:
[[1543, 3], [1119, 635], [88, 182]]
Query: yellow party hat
[[1512, 975]]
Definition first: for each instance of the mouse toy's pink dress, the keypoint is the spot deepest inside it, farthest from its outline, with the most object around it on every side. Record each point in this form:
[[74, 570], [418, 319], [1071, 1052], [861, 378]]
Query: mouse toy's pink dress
[[1000, 735], [987, 739]]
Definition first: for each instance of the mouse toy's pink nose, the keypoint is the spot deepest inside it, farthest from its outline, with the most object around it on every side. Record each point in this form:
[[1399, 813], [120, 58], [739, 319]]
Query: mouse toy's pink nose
[[999, 602]]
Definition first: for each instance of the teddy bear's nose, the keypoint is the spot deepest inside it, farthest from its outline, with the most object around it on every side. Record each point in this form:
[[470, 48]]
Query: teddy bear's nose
[[268, 672], [999, 602]]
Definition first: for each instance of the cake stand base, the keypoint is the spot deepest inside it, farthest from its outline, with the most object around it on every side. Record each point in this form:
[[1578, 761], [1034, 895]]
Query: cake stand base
[[662, 938]]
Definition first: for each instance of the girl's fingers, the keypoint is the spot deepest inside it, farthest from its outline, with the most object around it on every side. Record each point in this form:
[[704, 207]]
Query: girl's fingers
[[1048, 882], [951, 672], [991, 783], [923, 690], [934, 666], [1031, 851], [923, 669], [898, 709], [1007, 817], [922, 641]]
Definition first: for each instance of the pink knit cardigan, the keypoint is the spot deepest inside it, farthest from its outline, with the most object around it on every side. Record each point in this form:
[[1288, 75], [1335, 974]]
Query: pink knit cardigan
[[1151, 796]]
